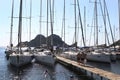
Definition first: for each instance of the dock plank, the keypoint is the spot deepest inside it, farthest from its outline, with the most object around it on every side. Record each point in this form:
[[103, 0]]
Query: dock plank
[[94, 70]]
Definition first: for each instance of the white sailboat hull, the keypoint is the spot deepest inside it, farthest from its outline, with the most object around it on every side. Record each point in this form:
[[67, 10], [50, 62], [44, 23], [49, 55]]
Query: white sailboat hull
[[47, 59], [101, 57], [70, 55], [19, 60]]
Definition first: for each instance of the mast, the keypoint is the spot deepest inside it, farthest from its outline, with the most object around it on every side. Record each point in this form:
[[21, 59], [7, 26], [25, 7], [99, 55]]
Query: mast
[[40, 19], [53, 3], [94, 28], [30, 19], [11, 29], [75, 23], [114, 32], [63, 24], [96, 22], [119, 16], [105, 21], [47, 23], [20, 27], [51, 22]]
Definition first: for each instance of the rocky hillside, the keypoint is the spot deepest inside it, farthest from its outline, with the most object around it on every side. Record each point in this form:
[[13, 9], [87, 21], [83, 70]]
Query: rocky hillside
[[40, 39], [117, 43]]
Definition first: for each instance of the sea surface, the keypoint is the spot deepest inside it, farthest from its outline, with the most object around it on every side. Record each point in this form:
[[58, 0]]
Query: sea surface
[[35, 71]]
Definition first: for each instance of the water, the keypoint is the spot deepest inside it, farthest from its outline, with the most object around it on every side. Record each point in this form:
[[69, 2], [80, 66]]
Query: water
[[35, 71], [113, 67]]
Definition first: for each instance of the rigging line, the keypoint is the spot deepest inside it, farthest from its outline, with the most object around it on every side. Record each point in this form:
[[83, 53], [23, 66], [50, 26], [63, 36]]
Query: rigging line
[[75, 33], [106, 34], [114, 33], [26, 19], [109, 24], [73, 38], [81, 23], [91, 33], [62, 30], [94, 27], [85, 22], [91, 30], [119, 16], [78, 29], [63, 25]]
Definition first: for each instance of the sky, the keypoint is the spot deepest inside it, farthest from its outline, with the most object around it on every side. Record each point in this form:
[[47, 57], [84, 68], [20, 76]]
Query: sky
[[5, 20]]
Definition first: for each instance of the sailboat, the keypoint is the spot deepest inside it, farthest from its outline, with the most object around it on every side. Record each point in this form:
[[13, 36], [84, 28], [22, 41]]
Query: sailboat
[[46, 56], [22, 55], [73, 51], [99, 54], [118, 52]]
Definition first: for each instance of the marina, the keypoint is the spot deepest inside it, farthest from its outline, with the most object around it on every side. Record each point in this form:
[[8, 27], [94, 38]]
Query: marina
[[54, 40]]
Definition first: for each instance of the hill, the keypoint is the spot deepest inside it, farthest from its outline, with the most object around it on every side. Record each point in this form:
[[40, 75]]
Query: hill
[[116, 43], [40, 39]]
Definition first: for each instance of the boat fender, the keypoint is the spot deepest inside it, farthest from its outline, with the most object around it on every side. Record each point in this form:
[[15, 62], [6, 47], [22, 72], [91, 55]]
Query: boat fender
[[71, 77], [17, 59], [54, 56], [7, 57], [33, 56]]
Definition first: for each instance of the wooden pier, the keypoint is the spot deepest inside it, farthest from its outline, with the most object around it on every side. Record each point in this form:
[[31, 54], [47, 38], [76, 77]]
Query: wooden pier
[[93, 72]]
